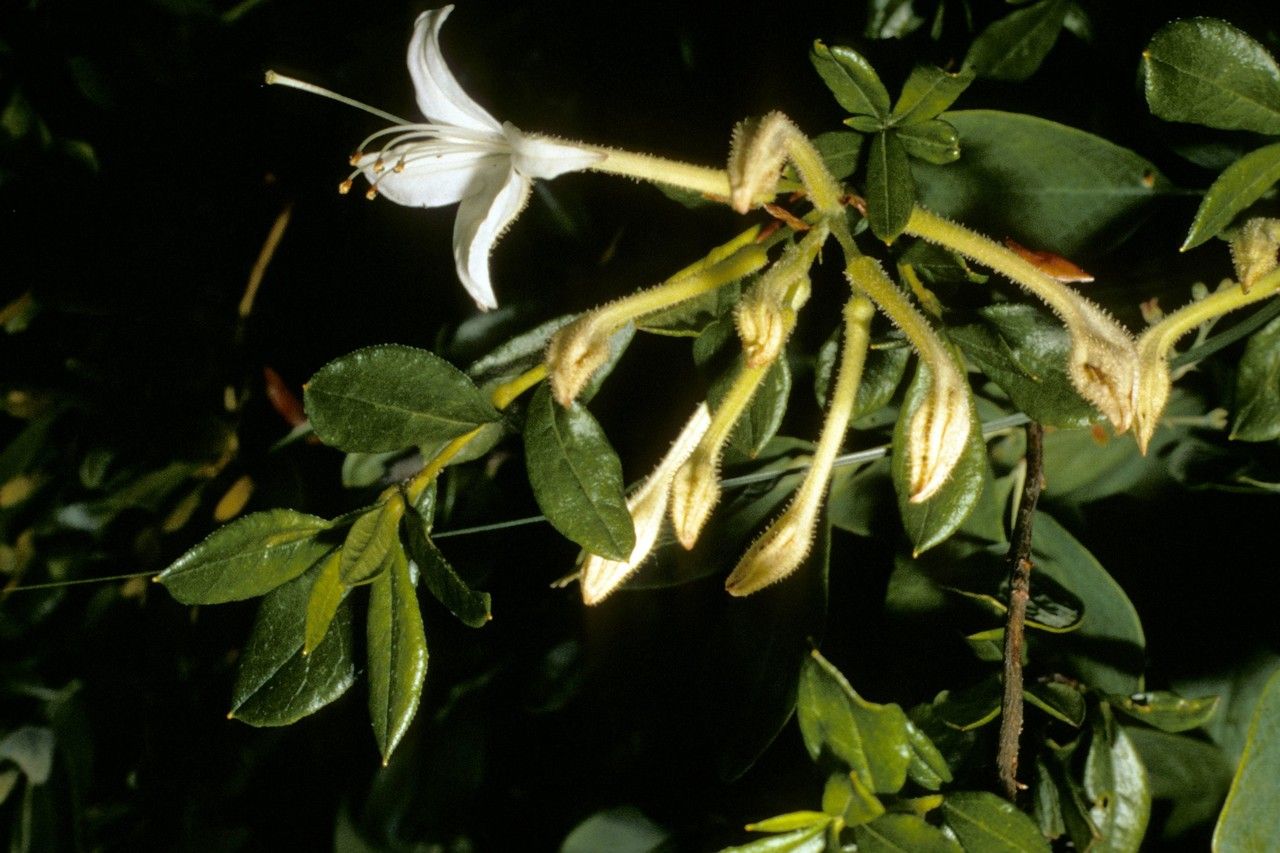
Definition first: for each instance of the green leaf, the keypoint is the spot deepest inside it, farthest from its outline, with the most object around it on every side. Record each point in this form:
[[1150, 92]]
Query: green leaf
[[881, 375], [851, 79], [1060, 701], [625, 829], [934, 141], [1191, 774], [1116, 783], [327, 593], [718, 352], [928, 91], [903, 833], [1013, 47], [1248, 820], [1025, 351], [1240, 185], [891, 19], [1042, 183], [871, 739], [390, 397], [470, 606], [985, 823], [1208, 72], [1165, 711], [576, 476], [277, 684], [790, 821], [971, 707], [839, 150], [928, 768], [930, 522], [1108, 650], [891, 192], [846, 797], [397, 654], [811, 840], [1258, 387], [248, 557], [371, 541]]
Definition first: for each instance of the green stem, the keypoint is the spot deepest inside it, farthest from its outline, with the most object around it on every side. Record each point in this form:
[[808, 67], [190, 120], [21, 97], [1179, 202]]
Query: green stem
[[1161, 337]]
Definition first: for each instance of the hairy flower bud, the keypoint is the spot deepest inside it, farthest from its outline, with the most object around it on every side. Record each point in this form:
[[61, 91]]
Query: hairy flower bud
[[695, 491], [574, 354], [778, 551], [1104, 363], [938, 433], [1154, 385], [1254, 250], [756, 155], [648, 508], [763, 326]]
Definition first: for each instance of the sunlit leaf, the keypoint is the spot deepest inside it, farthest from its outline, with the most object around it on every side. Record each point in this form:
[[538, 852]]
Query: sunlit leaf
[[397, 649], [1240, 185], [851, 79], [984, 822]]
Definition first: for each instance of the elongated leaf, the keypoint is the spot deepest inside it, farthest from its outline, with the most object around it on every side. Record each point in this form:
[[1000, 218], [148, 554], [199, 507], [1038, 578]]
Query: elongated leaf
[[1165, 711], [1044, 184], [847, 797], [1116, 783], [397, 654], [1060, 701], [1206, 71], [1258, 387], [928, 768], [811, 840], [928, 91], [1107, 651], [891, 192], [1240, 185], [250, 556], [930, 522], [391, 397], [851, 79], [370, 542], [1025, 351], [326, 595], [933, 141], [790, 821], [1013, 47], [903, 833], [277, 684], [470, 606], [871, 739], [1248, 820], [576, 477], [984, 822]]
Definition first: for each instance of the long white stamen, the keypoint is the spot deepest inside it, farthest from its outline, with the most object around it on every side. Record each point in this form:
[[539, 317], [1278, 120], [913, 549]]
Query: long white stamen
[[274, 79]]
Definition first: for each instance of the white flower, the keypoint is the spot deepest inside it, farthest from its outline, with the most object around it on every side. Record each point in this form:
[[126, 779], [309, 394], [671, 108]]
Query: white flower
[[462, 155]]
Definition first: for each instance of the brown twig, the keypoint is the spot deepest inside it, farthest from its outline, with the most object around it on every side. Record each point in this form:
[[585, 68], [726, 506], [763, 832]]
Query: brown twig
[[1019, 591]]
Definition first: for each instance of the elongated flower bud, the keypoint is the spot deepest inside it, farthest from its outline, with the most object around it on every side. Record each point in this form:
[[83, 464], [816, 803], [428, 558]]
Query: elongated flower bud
[[763, 326], [778, 551], [756, 155], [574, 354], [1154, 385], [938, 434], [695, 491], [1104, 363], [1254, 250]]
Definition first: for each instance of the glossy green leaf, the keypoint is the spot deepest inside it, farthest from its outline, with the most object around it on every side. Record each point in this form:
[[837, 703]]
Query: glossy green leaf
[[930, 522], [576, 476], [1192, 775], [397, 654], [861, 500], [985, 823], [327, 593], [971, 707], [1257, 416], [811, 840], [891, 192], [277, 684], [472, 607], [839, 150], [846, 797], [1025, 351], [1115, 782], [1071, 815], [1046, 805], [928, 768], [1061, 701], [903, 833], [1013, 47], [933, 141], [514, 356], [391, 397], [624, 828], [1240, 185], [928, 91], [248, 557], [851, 79], [791, 820], [1248, 819], [1239, 687], [1168, 712], [1050, 607], [1045, 184], [881, 375], [371, 541], [1108, 650], [1206, 71], [871, 739], [891, 19]]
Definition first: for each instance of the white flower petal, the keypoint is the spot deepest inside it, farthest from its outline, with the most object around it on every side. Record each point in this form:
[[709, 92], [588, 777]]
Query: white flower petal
[[432, 180], [482, 217], [540, 157], [439, 96]]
